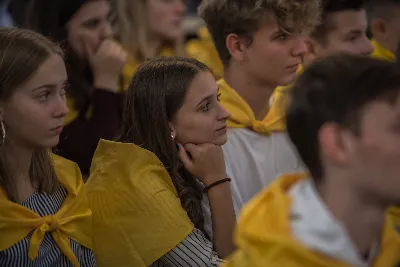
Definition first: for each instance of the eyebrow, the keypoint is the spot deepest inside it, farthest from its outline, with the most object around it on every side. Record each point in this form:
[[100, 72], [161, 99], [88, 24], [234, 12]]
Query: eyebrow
[[50, 86], [207, 97]]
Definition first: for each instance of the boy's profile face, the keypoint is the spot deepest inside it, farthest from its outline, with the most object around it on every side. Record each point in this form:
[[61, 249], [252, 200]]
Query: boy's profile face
[[274, 56], [347, 34], [373, 155]]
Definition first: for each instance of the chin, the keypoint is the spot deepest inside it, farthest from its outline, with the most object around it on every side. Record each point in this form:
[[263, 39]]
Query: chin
[[51, 142], [289, 79], [221, 140]]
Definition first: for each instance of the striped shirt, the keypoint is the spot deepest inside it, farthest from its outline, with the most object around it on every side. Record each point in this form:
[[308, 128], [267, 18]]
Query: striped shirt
[[49, 253], [194, 251]]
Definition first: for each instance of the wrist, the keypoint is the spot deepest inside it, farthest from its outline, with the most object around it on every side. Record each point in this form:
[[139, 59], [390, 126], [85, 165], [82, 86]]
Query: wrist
[[106, 82], [217, 183]]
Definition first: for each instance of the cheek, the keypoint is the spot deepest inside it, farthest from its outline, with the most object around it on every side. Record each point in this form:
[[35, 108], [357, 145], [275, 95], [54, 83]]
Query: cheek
[[77, 38], [24, 122], [196, 129]]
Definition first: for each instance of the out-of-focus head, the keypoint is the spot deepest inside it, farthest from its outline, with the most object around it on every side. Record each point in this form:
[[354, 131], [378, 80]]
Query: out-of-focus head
[[144, 21], [344, 120], [79, 22], [384, 20]]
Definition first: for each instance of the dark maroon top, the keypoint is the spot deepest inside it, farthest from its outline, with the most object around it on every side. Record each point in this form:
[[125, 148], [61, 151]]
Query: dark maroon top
[[79, 139]]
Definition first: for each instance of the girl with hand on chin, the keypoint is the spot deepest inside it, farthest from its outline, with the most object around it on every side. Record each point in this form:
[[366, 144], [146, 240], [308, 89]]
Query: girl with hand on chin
[[159, 195]]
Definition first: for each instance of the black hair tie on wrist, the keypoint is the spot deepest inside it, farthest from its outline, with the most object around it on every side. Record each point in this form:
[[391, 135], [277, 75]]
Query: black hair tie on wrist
[[208, 187]]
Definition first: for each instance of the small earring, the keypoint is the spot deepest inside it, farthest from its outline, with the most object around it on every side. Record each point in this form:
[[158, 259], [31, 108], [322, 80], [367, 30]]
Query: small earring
[[172, 136], [3, 131]]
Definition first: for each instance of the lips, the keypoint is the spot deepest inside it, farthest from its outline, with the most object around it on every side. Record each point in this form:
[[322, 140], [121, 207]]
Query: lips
[[293, 67], [222, 128], [58, 129]]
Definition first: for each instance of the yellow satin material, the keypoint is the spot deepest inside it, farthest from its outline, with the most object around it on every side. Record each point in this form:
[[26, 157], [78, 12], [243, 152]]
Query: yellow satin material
[[72, 221], [137, 214], [381, 53], [242, 115], [203, 50], [264, 234]]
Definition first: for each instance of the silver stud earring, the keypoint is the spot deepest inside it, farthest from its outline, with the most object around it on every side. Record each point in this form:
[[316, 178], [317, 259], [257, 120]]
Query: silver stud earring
[[3, 131]]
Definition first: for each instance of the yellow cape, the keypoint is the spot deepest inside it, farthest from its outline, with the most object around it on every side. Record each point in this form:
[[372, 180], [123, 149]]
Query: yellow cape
[[137, 214], [381, 53], [203, 50], [72, 221], [243, 117], [264, 239]]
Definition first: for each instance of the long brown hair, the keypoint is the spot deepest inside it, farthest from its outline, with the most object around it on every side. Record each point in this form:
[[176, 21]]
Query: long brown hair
[[156, 93], [22, 52]]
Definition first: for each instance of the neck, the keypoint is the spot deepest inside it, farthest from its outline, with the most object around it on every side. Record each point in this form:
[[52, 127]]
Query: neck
[[153, 45], [255, 93], [19, 159], [362, 219]]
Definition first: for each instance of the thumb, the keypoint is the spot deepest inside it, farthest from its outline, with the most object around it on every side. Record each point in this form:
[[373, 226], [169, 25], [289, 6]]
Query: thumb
[[184, 157]]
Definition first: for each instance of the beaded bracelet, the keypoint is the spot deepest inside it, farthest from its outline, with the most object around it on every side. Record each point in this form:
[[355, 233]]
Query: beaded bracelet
[[208, 187]]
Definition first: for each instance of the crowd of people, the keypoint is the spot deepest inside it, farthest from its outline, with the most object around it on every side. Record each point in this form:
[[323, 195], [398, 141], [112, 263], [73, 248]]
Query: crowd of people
[[271, 138]]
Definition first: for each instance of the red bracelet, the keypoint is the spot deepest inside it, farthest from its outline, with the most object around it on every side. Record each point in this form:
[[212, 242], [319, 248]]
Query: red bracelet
[[208, 187]]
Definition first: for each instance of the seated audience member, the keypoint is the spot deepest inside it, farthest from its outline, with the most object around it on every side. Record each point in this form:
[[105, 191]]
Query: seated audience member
[[384, 22], [261, 46], [94, 62], [343, 120], [159, 195], [343, 28], [45, 218]]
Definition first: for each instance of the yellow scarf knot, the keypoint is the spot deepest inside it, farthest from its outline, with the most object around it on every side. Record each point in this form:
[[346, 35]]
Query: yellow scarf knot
[[73, 221], [242, 115]]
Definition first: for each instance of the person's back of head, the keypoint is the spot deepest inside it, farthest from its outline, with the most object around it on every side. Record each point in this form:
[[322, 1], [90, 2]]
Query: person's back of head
[[343, 28], [344, 122], [254, 32], [23, 53], [384, 22]]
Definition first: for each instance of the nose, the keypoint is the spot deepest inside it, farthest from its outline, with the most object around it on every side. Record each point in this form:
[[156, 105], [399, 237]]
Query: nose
[[300, 46], [367, 47], [180, 7], [223, 113], [106, 31], [61, 108]]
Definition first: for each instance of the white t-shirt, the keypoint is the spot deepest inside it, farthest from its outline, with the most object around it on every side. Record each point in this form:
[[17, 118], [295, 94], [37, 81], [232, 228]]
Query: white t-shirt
[[254, 160]]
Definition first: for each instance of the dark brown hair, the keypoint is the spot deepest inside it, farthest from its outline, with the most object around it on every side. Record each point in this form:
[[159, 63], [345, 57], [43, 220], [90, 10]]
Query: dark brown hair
[[50, 17], [245, 17], [336, 89], [22, 52], [330, 7], [156, 93]]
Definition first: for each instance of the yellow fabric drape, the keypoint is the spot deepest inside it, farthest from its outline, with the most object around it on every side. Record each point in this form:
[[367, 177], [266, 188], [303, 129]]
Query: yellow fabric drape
[[72, 221], [381, 53], [264, 234], [137, 214], [203, 50], [243, 117]]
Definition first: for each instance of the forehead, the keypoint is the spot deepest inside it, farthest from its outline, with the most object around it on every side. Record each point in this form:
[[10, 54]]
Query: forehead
[[381, 114], [52, 71], [92, 9], [203, 85], [343, 22]]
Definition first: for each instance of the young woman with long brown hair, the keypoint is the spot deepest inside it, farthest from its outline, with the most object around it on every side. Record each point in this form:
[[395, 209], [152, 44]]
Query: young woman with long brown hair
[[45, 218], [160, 195]]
